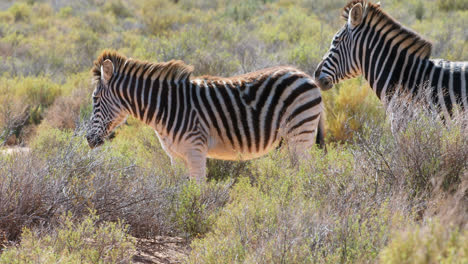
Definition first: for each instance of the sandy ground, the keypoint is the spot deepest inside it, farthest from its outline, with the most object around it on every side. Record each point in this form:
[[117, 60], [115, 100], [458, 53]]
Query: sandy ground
[[161, 250], [13, 150]]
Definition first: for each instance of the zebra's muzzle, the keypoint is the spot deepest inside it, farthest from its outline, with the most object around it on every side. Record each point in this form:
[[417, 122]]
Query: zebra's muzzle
[[94, 141], [325, 83]]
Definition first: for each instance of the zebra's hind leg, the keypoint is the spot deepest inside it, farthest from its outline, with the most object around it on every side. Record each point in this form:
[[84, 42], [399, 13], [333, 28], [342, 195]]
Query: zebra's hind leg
[[196, 162], [300, 144]]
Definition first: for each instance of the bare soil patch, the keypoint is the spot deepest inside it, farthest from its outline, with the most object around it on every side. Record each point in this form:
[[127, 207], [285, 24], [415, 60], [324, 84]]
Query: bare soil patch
[[15, 150], [161, 250]]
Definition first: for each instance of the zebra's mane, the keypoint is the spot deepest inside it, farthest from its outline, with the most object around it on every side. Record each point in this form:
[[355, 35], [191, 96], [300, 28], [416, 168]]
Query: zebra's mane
[[173, 69], [250, 76], [424, 47]]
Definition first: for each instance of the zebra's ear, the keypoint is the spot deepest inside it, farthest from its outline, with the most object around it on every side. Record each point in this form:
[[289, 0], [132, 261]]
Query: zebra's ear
[[107, 69], [355, 15]]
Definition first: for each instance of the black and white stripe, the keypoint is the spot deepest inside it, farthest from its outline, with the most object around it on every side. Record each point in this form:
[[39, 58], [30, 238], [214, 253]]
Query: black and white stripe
[[241, 117], [390, 57]]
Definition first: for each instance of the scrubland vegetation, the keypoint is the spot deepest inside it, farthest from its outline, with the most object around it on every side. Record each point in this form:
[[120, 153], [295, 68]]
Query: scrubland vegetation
[[374, 196]]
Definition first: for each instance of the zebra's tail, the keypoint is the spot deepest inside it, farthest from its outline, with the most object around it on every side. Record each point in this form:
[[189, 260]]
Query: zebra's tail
[[320, 140]]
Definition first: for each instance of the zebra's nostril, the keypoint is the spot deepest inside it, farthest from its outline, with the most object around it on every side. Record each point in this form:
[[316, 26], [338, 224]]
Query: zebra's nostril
[[325, 83], [93, 140]]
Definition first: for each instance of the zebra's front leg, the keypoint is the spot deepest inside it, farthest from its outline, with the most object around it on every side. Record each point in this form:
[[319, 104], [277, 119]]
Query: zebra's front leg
[[196, 162]]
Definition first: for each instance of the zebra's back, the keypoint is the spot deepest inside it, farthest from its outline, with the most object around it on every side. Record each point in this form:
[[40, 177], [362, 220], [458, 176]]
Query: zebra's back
[[448, 79], [246, 116]]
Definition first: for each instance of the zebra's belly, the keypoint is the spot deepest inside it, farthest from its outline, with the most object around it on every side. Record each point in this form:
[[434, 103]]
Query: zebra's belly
[[228, 152]]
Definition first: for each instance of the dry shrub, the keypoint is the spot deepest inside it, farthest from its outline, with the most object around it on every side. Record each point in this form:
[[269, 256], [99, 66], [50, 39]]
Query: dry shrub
[[345, 206], [64, 113], [423, 154], [61, 174], [430, 147], [88, 240], [322, 209], [13, 118]]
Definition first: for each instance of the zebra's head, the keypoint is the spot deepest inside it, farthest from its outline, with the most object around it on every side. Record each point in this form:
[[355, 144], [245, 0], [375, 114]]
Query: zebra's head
[[340, 62], [107, 112]]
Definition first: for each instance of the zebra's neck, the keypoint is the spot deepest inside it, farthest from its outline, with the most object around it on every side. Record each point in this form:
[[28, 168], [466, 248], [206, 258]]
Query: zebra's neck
[[404, 72], [389, 63], [389, 54], [152, 100]]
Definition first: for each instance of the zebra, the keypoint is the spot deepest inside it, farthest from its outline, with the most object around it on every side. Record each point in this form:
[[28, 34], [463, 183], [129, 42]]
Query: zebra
[[392, 59], [195, 118]]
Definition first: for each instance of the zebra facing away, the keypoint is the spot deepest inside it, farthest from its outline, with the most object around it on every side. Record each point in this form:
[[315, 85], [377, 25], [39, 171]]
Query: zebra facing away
[[237, 118], [390, 57]]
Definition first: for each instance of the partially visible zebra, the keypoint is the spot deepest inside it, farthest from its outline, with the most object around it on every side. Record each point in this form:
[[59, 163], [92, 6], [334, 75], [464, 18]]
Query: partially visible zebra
[[390, 57], [237, 118]]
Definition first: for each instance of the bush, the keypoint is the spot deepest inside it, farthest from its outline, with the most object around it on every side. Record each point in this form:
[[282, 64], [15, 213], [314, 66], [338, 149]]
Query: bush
[[87, 241], [452, 4], [349, 107], [294, 215], [419, 10], [433, 243], [23, 103], [294, 36], [36, 92], [161, 16], [422, 152], [118, 8], [378, 179], [21, 12], [342, 206], [196, 209], [62, 174], [73, 106], [65, 112]]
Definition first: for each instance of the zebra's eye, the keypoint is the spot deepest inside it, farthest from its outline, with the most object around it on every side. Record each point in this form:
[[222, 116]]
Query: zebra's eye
[[97, 91]]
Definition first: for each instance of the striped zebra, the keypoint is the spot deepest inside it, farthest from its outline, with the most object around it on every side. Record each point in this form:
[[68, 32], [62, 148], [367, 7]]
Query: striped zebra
[[237, 118], [390, 57]]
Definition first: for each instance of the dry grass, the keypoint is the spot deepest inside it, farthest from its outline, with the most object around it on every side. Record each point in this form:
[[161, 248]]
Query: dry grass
[[62, 175]]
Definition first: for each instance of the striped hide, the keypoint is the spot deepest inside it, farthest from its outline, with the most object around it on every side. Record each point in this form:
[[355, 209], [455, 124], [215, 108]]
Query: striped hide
[[236, 118]]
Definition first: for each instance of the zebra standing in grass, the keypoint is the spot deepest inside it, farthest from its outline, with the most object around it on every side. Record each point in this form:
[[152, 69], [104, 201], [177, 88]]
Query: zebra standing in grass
[[390, 57], [242, 117]]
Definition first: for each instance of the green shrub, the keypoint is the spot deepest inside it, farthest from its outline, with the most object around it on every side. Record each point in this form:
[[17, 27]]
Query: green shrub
[[196, 211], [241, 11], [343, 206], [305, 37], [23, 102], [419, 10], [349, 106], [161, 16], [146, 152], [87, 241], [275, 216], [221, 170], [432, 243], [452, 4], [118, 8], [21, 12], [33, 91]]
